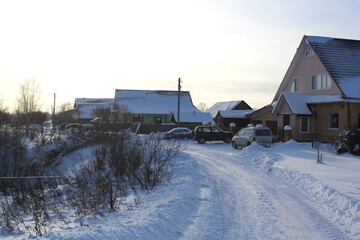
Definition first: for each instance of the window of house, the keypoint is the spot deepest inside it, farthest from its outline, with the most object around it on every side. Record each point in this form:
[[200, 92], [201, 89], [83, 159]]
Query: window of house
[[309, 52], [304, 124], [320, 82], [137, 118], [333, 120], [286, 119], [294, 85], [158, 120]]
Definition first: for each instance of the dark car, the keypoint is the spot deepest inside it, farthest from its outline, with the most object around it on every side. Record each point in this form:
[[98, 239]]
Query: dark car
[[178, 133], [211, 133]]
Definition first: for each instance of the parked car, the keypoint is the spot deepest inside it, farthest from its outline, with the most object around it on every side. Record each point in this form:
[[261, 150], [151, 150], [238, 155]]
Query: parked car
[[178, 133], [260, 134], [211, 133], [97, 120]]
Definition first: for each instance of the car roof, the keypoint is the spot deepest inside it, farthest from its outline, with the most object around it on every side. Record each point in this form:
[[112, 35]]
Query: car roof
[[180, 128], [254, 128]]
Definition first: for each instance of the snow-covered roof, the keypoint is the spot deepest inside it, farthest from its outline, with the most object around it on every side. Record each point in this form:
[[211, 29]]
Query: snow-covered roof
[[86, 106], [341, 57], [298, 102], [224, 106], [235, 113], [94, 101], [161, 102]]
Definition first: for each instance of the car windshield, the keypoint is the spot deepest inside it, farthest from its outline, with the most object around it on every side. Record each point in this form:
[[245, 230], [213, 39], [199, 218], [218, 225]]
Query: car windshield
[[262, 132]]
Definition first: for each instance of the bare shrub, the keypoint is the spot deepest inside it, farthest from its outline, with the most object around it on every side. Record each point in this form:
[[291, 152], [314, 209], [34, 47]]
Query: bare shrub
[[92, 188], [154, 161], [122, 161], [36, 197], [13, 154]]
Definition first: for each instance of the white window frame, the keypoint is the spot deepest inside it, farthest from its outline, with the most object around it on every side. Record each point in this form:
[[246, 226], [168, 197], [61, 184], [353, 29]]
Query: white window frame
[[307, 124], [309, 52], [323, 82], [294, 83], [338, 117]]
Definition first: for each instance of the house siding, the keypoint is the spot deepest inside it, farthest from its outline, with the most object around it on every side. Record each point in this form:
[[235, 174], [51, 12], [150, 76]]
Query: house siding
[[303, 68], [295, 122], [151, 118], [348, 118], [268, 119]]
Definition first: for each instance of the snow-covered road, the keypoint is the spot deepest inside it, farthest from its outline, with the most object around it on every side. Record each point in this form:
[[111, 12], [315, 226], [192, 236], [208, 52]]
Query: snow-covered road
[[240, 202], [217, 193]]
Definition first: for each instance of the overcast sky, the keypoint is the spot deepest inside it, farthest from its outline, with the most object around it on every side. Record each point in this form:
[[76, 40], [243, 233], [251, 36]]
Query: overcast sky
[[222, 50]]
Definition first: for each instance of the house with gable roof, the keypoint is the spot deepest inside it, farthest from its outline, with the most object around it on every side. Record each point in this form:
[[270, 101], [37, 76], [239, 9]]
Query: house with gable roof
[[320, 92], [225, 113], [160, 107], [86, 106]]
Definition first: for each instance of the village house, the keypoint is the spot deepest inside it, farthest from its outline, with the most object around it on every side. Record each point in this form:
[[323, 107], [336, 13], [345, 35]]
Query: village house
[[225, 113], [159, 107], [319, 96], [85, 107]]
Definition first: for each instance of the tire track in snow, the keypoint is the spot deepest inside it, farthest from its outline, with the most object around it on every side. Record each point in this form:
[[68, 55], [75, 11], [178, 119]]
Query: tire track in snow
[[254, 205]]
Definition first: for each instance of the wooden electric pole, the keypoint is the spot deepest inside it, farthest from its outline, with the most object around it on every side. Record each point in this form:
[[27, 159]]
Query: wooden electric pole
[[53, 113], [178, 109]]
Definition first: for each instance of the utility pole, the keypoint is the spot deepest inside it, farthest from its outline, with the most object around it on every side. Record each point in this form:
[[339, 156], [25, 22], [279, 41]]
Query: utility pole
[[178, 110]]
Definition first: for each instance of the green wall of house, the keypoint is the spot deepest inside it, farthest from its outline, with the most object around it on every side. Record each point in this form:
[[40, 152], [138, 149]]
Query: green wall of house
[[144, 118], [156, 118]]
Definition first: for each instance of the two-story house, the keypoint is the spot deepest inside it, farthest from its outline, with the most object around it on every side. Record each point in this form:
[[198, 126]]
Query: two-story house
[[319, 95]]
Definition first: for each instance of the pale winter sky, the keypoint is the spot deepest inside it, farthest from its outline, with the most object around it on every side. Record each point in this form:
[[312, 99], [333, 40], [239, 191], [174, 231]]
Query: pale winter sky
[[222, 50]]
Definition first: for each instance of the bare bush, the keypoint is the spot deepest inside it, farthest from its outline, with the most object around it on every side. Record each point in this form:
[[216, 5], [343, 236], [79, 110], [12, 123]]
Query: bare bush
[[36, 197], [122, 161], [92, 188], [13, 154], [154, 161]]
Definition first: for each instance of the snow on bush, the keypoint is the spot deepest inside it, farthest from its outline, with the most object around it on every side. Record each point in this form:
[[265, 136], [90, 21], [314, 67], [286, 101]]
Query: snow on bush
[[348, 141], [121, 162]]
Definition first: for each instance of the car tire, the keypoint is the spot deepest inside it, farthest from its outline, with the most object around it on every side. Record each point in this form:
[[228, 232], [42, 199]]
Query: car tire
[[233, 144], [201, 140], [227, 140], [248, 143]]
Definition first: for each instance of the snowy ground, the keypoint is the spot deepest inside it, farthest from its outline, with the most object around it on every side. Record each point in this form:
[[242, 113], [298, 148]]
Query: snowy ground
[[222, 193]]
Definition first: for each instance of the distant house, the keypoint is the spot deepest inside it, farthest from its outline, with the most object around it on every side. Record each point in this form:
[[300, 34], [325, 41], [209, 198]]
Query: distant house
[[228, 112], [85, 107], [160, 107], [319, 95]]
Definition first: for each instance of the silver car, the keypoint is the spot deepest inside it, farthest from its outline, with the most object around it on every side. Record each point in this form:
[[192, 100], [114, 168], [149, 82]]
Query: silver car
[[261, 135]]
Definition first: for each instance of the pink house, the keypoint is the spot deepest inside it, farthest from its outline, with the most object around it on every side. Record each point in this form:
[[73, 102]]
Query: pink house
[[319, 95]]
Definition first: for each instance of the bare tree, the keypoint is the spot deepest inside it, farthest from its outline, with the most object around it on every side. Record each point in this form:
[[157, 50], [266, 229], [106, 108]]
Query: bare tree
[[4, 114], [29, 101], [102, 112], [65, 113], [121, 114], [202, 107]]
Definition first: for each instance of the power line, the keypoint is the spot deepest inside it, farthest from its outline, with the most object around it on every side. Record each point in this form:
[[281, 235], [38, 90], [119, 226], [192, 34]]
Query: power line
[[212, 102]]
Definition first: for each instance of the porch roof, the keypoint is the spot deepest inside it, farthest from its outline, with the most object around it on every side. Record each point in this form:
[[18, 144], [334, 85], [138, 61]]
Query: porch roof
[[298, 102]]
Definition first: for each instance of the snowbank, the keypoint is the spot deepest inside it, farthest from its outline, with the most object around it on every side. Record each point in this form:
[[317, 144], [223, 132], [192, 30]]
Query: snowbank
[[329, 185], [164, 213]]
